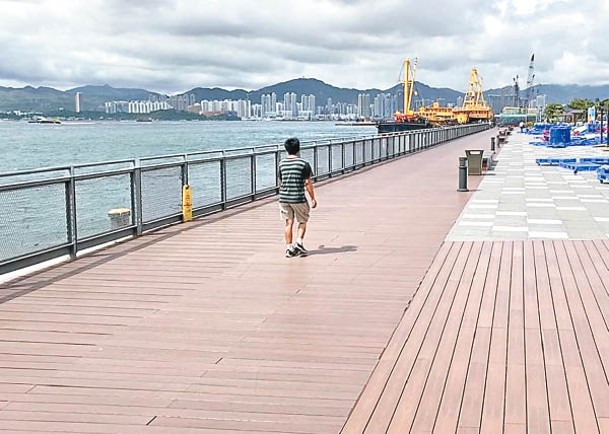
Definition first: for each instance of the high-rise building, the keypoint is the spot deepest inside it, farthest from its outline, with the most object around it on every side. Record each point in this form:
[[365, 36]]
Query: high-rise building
[[363, 105], [77, 102]]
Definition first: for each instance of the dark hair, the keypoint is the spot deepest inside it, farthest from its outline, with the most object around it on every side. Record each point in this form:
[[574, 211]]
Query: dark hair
[[292, 146]]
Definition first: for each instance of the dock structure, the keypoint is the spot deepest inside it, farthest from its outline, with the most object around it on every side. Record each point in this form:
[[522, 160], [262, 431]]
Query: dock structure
[[419, 309]]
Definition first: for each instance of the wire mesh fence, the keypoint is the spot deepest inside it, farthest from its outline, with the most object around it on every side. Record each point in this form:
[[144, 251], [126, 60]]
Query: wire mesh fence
[[47, 213]]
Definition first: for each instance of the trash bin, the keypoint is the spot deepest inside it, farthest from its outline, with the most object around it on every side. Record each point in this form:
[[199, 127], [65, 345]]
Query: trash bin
[[474, 161]]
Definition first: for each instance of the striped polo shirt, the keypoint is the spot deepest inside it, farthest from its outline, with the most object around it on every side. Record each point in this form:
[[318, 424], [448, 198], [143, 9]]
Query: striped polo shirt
[[293, 172]]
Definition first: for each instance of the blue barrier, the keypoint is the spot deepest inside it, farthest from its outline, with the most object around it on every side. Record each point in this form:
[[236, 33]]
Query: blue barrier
[[602, 174]]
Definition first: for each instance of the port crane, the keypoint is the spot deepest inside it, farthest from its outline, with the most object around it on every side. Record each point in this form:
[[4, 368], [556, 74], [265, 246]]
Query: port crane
[[474, 106], [530, 79], [408, 83]]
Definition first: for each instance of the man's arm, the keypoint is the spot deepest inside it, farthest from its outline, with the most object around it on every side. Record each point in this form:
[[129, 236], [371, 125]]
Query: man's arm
[[311, 191]]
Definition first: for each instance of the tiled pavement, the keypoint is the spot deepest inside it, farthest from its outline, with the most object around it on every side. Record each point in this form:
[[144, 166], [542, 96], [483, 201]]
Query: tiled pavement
[[521, 200]]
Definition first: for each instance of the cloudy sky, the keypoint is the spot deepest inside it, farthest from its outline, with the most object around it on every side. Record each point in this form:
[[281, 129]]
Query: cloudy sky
[[172, 46]]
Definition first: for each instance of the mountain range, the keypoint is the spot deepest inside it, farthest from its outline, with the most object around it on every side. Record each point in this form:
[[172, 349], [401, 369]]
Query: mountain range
[[46, 99]]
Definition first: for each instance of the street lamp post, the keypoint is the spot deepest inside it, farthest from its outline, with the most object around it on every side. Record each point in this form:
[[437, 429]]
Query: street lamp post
[[599, 105], [601, 124]]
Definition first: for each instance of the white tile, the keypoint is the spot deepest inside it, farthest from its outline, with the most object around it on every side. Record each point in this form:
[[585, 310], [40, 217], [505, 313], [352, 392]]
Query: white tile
[[537, 188], [514, 188], [485, 201], [475, 206], [510, 229], [594, 201], [532, 199], [478, 216], [561, 191], [565, 198], [512, 213], [475, 223], [591, 196], [513, 192], [571, 208], [602, 219], [544, 222], [541, 205], [553, 235]]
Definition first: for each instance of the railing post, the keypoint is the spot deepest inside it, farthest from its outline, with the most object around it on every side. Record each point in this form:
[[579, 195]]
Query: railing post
[[223, 188], [316, 162], [330, 158], [185, 170], [71, 223], [137, 197], [277, 160], [253, 169]]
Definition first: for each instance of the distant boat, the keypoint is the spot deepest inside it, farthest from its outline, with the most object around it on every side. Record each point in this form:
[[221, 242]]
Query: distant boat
[[403, 125], [356, 124], [143, 120], [409, 120], [41, 120]]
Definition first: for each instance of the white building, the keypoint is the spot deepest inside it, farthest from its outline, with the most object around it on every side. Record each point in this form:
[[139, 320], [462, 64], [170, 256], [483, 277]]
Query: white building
[[77, 102]]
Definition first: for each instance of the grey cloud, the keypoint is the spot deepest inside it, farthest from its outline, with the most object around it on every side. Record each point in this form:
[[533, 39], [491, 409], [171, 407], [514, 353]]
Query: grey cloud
[[170, 45]]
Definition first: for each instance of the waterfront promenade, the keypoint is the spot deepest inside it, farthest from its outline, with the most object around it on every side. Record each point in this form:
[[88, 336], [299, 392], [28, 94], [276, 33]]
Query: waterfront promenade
[[405, 317]]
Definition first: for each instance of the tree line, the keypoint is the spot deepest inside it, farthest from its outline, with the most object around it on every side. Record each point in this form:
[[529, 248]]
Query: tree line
[[556, 111]]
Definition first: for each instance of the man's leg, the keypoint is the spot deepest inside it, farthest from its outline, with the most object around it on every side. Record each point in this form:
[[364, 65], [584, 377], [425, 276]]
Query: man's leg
[[302, 214], [302, 230], [288, 231]]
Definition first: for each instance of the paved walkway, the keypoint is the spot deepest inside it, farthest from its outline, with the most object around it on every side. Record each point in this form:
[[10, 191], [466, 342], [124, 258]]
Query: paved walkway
[[522, 200], [206, 327], [394, 323]]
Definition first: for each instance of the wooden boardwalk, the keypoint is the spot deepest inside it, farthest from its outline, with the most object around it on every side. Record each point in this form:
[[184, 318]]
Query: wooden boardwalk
[[502, 337], [205, 327]]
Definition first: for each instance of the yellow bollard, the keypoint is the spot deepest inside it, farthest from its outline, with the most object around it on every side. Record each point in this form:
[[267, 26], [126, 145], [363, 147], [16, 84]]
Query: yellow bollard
[[186, 203]]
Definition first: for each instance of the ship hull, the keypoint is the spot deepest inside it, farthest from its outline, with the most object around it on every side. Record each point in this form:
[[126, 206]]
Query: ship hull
[[398, 127]]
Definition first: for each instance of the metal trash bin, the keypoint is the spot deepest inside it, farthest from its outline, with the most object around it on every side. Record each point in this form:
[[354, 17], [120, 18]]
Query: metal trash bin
[[474, 161]]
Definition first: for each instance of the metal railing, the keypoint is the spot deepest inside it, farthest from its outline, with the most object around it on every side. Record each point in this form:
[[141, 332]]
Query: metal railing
[[61, 211]]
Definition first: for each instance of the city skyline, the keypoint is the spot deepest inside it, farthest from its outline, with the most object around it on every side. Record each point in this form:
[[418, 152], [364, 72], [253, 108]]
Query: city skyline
[[169, 46], [290, 107]]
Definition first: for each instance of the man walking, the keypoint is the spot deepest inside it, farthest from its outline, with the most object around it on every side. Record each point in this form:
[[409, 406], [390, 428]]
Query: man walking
[[295, 177]]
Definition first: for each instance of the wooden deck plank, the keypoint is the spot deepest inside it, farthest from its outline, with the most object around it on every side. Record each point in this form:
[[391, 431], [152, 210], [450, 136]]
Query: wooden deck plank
[[448, 414], [588, 322], [444, 355], [360, 417], [515, 405], [538, 415], [422, 343], [494, 394], [473, 396]]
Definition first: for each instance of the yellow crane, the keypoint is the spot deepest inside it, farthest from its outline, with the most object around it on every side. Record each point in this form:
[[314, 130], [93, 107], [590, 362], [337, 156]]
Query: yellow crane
[[474, 107], [408, 83]]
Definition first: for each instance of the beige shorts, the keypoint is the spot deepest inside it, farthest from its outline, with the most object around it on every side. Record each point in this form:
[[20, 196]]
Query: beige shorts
[[287, 211]]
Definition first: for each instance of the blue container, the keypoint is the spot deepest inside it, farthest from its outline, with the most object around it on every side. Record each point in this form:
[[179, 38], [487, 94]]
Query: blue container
[[560, 134]]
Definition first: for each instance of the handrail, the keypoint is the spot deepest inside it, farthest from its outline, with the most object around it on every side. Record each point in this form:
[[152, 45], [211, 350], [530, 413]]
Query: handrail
[[52, 216]]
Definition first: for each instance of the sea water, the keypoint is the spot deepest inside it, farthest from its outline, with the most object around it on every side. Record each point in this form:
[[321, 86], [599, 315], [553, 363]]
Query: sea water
[[29, 146]]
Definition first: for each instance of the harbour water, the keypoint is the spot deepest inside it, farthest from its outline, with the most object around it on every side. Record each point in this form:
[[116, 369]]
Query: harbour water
[[29, 146]]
